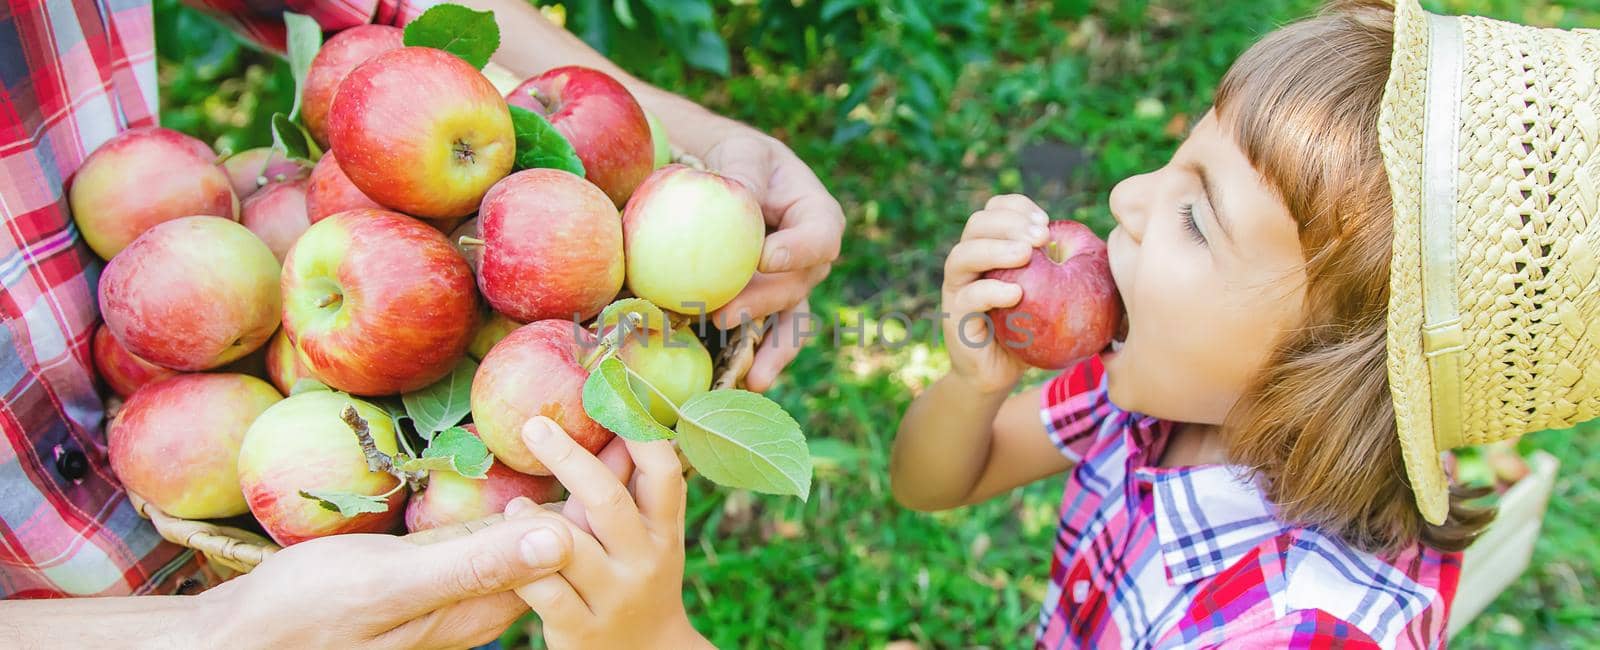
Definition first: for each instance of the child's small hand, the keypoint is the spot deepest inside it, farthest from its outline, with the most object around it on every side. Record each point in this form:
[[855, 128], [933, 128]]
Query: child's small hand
[[623, 586], [1002, 235]]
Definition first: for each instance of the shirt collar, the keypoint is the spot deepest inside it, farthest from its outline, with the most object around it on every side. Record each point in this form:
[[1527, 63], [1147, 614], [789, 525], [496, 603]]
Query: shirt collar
[[1207, 517]]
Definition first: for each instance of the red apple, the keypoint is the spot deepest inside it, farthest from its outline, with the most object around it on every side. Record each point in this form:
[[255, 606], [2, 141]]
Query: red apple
[[252, 169], [301, 443], [337, 57], [176, 442], [285, 365], [552, 247], [142, 177], [377, 302], [330, 192], [123, 371], [1070, 307], [451, 498], [277, 214], [192, 294], [693, 239], [421, 131], [601, 119], [536, 370]]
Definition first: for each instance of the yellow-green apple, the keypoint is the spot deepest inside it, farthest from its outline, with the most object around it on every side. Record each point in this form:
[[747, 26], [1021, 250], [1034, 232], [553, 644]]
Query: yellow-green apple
[[192, 294], [302, 443], [142, 177], [451, 498], [492, 327], [552, 247], [602, 121], [176, 442], [536, 370], [1070, 308], [677, 367], [252, 169], [277, 214], [693, 239], [330, 192], [422, 132], [378, 303], [659, 141], [123, 371], [285, 365], [337, 57]]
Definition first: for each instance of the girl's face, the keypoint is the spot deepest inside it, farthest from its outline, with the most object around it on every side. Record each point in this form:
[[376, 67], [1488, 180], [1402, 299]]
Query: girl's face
[[1209, 264]]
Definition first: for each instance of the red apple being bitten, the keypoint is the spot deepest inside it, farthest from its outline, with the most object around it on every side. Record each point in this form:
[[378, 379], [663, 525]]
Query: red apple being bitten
[[1070, 308], [536, 370], [601, 119], [378, 303]]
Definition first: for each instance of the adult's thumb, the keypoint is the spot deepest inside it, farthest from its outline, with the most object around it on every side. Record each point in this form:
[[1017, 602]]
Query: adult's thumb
[[499, 558]]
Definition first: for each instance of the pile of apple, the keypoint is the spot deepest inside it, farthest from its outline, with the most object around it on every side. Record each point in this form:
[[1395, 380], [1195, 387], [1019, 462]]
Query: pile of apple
[[383, 311]]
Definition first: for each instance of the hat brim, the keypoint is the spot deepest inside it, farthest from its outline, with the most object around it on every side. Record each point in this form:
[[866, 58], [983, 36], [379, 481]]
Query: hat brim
[[1400, 129]]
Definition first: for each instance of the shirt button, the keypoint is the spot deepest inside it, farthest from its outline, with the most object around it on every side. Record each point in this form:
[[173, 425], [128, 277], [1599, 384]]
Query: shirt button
[[72, 465]]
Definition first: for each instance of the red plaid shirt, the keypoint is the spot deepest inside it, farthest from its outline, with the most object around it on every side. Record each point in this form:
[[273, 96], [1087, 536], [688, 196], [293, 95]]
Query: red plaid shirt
[[1193, 557], [72, 74]]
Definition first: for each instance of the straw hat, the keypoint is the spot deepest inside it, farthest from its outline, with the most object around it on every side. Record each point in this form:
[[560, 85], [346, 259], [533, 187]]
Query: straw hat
[[1490, 132]]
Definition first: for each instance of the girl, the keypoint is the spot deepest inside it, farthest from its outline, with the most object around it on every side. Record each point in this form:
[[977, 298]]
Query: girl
[[1379, 244]]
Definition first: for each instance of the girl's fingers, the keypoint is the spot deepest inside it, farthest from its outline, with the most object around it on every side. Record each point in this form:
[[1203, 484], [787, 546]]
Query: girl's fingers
[[1006, 224], [1017, 203], [616, 458], [973, 257], [588, 569], [554, 598], [607, 504], [987, 294], [659, 485]]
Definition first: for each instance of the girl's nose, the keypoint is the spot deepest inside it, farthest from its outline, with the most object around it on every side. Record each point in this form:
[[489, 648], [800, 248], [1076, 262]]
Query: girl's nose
[[1130, 204]]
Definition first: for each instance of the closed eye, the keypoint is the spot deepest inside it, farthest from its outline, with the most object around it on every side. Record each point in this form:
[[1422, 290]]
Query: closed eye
[[1187, 211]]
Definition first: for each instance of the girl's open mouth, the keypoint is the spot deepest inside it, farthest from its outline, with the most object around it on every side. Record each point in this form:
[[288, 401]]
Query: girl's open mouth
[[1120, 337]]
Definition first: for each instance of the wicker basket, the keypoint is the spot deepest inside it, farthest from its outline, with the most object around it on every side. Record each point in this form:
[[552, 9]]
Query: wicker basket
[[241, 550]]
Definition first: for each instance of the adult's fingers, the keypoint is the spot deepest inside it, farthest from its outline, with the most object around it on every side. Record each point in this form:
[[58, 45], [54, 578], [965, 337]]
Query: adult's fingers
[[781, 346], [492, 560], [767, 294], [608, 505], [465, 624], [590, 570], [616, 458], [973, 257], [554, 598], [809, 232]]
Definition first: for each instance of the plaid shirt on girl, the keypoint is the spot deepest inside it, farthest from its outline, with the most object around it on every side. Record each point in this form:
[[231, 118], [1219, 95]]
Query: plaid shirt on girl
[[73, 73], [1193, 557]]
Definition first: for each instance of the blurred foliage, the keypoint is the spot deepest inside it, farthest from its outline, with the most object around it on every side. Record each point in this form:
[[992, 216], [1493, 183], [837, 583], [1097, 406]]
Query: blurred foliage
[[913, 113]]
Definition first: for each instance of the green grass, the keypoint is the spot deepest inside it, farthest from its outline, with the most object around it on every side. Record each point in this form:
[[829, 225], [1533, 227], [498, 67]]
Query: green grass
[[1097, 82]]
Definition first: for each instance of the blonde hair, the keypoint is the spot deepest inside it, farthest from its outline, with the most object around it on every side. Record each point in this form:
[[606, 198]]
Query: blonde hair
[[1317, 427]]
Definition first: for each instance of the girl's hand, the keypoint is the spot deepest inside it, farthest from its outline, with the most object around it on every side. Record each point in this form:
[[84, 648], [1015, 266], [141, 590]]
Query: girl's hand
[[623, 587], [1000, 236]]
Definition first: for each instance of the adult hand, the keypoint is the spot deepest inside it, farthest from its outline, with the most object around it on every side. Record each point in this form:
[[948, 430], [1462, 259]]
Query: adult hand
[[624, 585], [807, 225], [381, 591]]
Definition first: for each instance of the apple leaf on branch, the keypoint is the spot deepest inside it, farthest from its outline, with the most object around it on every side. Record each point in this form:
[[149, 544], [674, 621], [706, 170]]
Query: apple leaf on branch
[[741, 439], [609, 400], [305, 38], [471, 35], [443, 403], [292, 139], [348, 504], [540, 145], [454, 450]]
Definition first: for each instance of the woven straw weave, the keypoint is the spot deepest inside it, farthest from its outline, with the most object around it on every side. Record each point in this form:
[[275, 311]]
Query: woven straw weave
[[1526, 230]]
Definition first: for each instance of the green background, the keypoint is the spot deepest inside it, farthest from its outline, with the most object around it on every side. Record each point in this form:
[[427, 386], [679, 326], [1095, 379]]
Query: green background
[[913, 112]]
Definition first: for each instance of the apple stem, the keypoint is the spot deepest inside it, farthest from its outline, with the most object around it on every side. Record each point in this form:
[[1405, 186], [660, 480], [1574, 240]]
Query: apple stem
[[1052, 250], [602, 350], [468, 240], [377, 461], [328, 300]]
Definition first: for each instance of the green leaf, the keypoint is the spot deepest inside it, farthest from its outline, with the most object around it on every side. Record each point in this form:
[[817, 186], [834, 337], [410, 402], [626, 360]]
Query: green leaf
[[306, 385], [292, 139], [348, 504], [471, 35], [540, 145], [609, 400], [443, 403], [740, 439], [651, 315], [454, 450], [305, 38]]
